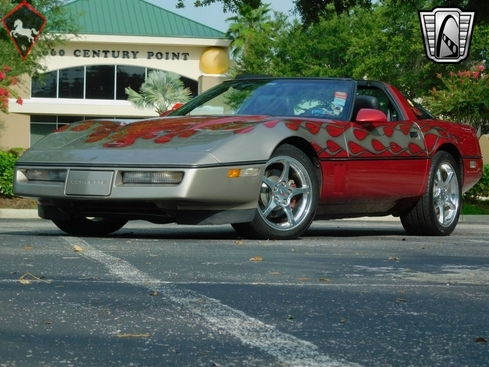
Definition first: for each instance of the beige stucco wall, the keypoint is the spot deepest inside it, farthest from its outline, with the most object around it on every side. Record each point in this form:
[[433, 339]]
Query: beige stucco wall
[[209, 81], [484, 144], [14, 131], [15, 128]]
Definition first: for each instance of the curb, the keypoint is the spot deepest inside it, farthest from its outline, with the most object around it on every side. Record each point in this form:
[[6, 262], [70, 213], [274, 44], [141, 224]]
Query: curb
[[32, 214], [474, 219], [19, 214], [390, 218]]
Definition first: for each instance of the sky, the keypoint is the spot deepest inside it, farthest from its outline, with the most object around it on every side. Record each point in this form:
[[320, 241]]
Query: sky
[[213, 15]]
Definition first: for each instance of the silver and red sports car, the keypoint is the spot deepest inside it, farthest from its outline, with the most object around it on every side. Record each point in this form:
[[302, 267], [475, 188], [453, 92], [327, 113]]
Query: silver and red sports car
[[267, 155]]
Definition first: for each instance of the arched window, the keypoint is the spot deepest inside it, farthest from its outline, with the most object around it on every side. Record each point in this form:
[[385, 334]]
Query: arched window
[[94, 82]]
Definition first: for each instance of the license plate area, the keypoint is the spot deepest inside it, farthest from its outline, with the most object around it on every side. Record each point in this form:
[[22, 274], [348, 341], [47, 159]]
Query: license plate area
[[89, 183]]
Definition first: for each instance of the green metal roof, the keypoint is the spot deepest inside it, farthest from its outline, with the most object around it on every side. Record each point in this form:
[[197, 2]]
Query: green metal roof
[[135, 18]]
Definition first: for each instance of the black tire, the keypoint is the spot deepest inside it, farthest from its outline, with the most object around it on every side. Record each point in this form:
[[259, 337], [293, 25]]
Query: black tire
[[437, 211], [288, 198], [82, 226]]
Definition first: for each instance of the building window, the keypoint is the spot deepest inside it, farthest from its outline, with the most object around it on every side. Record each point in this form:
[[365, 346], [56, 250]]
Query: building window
[[128, 76], [41, 125], [71, 82], [46, 85], [107, 82], [100, 82]]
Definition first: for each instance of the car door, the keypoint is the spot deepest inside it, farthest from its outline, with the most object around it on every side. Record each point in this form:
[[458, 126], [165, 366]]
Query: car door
[[388, 160]]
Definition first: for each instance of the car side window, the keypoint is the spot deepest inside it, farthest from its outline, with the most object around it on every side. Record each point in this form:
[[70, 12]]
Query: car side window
[[386, 105]]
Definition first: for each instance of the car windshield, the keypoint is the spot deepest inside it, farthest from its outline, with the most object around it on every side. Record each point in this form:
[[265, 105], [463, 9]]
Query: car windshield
[[321, 98], [420, 112]]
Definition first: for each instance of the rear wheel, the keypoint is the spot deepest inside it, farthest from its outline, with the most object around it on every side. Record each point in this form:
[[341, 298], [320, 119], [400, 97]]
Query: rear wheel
[[84, 226], [288, 197], [438, 210]]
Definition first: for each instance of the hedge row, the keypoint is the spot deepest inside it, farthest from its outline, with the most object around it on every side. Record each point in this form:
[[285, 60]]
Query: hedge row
[[7, 162], [481, 188]]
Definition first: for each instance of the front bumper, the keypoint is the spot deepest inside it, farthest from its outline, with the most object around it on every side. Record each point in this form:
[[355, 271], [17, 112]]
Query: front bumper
[[202, 193]]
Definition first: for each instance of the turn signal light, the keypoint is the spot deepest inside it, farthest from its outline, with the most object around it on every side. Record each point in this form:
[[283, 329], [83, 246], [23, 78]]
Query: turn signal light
[[245, 172]]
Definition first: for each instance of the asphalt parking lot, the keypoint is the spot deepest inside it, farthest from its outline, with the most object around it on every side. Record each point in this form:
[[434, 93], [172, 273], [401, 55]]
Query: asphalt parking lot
[[349, 293]]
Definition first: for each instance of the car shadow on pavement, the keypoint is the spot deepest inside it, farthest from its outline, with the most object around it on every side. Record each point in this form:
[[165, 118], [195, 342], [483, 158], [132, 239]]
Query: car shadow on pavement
[[352, 228], [144, 230]]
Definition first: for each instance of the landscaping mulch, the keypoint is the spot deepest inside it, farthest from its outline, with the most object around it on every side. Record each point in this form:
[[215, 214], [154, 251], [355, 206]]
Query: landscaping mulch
[[17, 203]]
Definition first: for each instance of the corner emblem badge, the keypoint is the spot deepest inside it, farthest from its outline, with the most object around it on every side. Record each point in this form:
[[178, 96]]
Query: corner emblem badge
[[24, 25], [447, 33]]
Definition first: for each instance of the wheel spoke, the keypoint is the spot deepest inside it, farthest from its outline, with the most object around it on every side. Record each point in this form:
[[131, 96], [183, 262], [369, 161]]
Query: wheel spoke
[[271, 184], [438, 178], [290, 217], [300, 190], [441, 212], [450, 175], [269, 208], [286, 171], [452, 205]]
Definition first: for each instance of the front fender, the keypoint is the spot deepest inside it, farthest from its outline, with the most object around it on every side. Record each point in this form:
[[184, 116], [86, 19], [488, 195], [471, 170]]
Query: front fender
[[258, 142]]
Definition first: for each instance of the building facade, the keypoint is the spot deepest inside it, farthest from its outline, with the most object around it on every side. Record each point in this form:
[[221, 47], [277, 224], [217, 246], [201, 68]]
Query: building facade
[[119, 43]]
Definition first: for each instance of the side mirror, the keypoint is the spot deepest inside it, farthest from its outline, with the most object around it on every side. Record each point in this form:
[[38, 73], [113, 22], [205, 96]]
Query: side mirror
[[371, 115], [166, 113], [176, 106]]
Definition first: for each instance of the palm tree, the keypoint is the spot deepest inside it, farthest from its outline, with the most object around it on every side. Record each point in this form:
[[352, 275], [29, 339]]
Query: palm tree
[[161, 91], [243, 25]]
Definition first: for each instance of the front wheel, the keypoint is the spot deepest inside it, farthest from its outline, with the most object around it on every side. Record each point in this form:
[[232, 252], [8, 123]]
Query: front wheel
[[437, 211], [84, 226], [288, 197]]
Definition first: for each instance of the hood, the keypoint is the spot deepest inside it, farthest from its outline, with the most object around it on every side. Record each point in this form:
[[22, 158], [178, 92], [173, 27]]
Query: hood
[[182, 140], [149, 133]]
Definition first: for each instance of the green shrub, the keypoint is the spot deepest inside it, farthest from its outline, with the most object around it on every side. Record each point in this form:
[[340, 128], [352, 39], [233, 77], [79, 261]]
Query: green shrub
[[475, 208], [481, 188], [7, 162]]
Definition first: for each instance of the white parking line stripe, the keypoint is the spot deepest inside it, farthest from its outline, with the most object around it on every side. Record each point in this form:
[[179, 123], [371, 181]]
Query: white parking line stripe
[[289, 350]]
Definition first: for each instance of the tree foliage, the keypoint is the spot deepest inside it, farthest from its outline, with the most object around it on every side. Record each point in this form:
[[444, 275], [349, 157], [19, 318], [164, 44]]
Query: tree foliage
[[463, 97], [387, 45], [383, 42], [246, 24], [227, 5], [289, 49], [7, 82], [161, 90], [311, 11], [481, 7]]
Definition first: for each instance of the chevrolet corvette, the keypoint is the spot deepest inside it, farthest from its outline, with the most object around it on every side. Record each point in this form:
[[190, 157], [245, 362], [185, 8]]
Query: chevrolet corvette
[[266, 155]]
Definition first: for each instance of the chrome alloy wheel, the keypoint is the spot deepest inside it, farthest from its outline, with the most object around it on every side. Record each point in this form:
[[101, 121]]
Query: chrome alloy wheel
[[446, 194], [285, 196]]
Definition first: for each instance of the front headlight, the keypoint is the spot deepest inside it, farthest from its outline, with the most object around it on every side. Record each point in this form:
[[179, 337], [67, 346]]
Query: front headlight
[[58, 175], [148, 177]]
